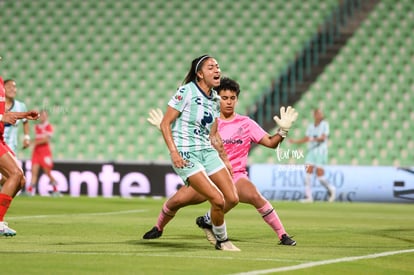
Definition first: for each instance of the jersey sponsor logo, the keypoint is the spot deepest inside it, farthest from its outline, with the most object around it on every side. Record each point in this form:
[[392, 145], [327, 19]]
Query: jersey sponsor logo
[[2, 99], [178, 97], [232, 141]]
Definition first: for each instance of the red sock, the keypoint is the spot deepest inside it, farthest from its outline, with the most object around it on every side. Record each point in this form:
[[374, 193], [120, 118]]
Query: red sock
[[5, 201], [54, 185]]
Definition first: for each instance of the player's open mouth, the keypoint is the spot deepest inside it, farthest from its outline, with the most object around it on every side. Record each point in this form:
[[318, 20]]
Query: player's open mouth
[[216, 77]]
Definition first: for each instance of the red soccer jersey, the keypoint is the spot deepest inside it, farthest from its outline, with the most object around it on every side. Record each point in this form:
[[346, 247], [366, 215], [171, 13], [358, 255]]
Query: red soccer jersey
[[43, 130], [42, 154]]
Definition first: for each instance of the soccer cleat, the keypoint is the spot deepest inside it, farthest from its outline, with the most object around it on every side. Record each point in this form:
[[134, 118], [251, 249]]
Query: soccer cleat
[[226, 245], [56, 194], [5, 230], [306, 200], [286, 240], [207, 228], [154, 233], [23, 193], [30, 193]]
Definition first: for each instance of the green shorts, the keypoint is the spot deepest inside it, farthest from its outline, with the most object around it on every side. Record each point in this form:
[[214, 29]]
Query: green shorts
[[206, 160], [316, 158]]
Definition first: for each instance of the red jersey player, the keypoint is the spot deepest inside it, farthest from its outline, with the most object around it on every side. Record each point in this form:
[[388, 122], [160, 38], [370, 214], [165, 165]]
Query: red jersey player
[[13, 177], [42, 154]]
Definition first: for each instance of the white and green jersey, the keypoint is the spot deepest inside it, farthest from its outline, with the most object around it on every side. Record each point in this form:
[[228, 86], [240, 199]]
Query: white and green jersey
[[318, 147], [11, 131], [198, 112]]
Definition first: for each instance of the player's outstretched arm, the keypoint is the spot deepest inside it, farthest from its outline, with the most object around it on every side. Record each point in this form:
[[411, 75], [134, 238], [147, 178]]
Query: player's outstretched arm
[[31, 115]]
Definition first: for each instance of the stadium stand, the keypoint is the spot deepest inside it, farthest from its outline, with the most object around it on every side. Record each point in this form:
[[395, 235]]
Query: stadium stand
[[99, 66], [366, 93]]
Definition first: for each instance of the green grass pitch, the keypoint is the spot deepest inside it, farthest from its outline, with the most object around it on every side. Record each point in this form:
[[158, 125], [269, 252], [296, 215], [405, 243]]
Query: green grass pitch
[[104, 236]]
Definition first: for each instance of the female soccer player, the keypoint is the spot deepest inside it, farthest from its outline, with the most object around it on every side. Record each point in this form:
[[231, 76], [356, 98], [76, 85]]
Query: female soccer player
[[42, 154], [316, 136], [237, 133], [189, 128], [9, 168]]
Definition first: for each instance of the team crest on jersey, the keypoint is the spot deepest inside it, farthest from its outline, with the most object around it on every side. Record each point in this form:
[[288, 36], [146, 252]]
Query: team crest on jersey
[[207, 119], [2, 99]]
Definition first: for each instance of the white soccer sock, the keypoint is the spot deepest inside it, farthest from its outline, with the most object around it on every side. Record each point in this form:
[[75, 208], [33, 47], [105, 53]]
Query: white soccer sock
[[220, 232], [308, 190], [326, 183], [207, 218]]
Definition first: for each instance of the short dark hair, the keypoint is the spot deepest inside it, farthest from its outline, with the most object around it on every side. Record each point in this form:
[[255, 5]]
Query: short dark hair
[[228, 84], [7, 80]]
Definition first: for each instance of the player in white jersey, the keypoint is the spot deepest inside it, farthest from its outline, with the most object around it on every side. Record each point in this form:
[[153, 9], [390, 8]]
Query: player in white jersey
[[317, 135], [11, 132], [189, 128]]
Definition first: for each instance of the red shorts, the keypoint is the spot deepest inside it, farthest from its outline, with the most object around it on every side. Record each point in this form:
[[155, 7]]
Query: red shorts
[[4, 148], [43, 158]]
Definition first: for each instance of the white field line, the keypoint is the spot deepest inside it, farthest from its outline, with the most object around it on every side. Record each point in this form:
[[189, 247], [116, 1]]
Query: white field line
[[253, 272], [146, 254], [325, 262], [76, 215]]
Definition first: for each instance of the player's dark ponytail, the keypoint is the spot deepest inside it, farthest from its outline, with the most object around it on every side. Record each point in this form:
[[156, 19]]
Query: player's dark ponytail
[[196, 65]]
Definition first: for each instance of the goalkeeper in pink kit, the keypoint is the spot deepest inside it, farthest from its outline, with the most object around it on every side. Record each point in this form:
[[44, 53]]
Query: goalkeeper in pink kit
[[237, 132]]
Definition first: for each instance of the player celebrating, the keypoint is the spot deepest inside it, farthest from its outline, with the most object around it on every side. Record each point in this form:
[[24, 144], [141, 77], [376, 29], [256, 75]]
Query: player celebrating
[[9, 167], [237, 133], [42, 154], [189, 128]]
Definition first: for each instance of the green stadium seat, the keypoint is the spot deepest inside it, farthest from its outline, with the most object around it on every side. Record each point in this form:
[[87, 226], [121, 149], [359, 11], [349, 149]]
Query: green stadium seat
[[118, 49], [366, 83]]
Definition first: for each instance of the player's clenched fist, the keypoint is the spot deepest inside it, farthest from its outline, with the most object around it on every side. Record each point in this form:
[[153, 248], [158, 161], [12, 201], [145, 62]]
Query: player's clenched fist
[[32, 115]]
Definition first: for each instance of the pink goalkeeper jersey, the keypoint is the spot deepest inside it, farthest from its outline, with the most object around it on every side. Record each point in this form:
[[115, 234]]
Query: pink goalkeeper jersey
[[237, 135]]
